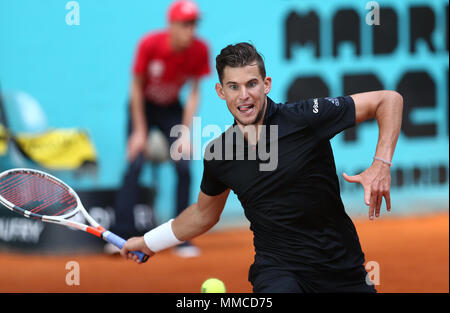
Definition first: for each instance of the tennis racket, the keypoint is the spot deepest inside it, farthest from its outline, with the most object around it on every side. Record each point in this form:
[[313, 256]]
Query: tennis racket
[[41, 196]]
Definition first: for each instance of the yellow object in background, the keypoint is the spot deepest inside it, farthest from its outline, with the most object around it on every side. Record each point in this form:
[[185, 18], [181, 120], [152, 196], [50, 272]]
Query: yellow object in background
[[3, 140], [58, 148]]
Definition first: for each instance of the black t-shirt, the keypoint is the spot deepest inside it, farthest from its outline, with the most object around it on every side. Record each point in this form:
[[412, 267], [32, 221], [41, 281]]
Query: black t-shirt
[[295, 211]]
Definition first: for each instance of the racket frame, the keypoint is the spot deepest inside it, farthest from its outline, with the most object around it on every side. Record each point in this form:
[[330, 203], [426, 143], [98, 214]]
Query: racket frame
[[94, 228]]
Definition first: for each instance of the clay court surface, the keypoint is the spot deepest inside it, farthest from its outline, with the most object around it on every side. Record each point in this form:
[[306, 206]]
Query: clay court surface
[[413, 254]]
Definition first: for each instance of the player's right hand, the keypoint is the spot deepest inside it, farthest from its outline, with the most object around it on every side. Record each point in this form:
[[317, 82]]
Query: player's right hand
[[135, 244], [137, 143]]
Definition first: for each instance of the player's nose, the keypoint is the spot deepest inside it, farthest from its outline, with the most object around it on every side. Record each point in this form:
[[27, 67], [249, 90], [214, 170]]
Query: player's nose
[[243, 95]]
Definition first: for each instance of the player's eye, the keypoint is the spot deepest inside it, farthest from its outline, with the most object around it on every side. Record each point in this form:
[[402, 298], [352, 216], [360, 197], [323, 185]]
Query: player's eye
[[233, 87]]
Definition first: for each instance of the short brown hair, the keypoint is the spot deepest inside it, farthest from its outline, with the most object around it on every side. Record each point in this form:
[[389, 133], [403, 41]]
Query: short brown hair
[[238, 55]]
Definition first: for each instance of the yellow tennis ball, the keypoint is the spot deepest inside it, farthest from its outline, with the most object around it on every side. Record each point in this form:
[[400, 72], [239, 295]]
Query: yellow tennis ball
[[213, 285]]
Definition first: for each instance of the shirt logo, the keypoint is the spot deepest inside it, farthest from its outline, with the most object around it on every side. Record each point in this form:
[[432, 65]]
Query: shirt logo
[[156, 69], [333, 100], [316, 106]]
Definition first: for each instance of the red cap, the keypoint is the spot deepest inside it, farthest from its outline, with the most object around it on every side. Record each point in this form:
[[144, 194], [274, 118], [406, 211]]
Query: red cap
[[183, 10]]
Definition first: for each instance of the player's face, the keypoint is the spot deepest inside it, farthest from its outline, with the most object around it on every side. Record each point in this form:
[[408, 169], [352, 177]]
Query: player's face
[[244, 91], [182, 34]]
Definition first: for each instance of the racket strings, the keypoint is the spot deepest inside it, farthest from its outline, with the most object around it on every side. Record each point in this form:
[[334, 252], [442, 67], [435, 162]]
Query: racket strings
[[37, 194], [14, 190], [20, 191]]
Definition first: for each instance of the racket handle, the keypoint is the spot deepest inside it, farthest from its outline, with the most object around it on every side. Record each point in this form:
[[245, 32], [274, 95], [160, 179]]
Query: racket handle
[[119, 242]]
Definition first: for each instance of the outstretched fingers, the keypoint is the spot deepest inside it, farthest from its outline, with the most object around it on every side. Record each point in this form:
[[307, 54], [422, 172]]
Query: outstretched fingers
[[378, 190], [376, 185]]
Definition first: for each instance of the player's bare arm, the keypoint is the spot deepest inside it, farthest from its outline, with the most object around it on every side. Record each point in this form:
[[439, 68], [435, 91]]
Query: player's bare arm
[[138, 137], [199, 217], [195, 220], [386, 107]]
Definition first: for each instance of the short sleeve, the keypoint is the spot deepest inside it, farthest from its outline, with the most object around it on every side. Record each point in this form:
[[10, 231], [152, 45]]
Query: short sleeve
[[210, 184], [328, 116]]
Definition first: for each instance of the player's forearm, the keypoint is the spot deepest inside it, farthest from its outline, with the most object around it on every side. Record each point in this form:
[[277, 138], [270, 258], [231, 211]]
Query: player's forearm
[[137, 107], [192, 222], [195, 220], [389, 119], [189, 224]]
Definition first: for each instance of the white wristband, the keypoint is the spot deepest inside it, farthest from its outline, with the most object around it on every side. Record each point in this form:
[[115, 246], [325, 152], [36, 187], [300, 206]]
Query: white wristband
[[161, 237]]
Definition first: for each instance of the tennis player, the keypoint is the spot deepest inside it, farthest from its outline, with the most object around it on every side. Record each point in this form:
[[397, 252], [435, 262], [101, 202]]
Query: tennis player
[[304, 240], [165, 61]]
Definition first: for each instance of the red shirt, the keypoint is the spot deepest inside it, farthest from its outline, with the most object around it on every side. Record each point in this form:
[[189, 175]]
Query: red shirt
[[164, 70]]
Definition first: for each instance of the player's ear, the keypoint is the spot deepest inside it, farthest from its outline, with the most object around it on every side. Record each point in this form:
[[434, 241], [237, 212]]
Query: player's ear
[[219, 90], [267, 84]]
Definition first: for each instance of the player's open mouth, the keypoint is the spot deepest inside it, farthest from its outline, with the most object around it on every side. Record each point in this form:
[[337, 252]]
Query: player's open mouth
[[246, 108]]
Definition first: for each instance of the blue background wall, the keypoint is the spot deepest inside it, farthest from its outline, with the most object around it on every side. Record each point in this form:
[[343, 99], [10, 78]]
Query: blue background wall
[[80, 75]]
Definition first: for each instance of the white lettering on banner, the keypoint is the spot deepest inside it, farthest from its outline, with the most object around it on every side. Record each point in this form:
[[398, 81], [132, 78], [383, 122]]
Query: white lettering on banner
[[20, 229]]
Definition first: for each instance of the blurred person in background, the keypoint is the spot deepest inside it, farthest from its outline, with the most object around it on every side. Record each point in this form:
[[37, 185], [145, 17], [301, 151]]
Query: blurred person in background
[[165, 61]]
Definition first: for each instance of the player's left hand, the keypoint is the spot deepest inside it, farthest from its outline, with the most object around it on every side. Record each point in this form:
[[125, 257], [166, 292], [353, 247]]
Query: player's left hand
[[135, 244], [376, 181]]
